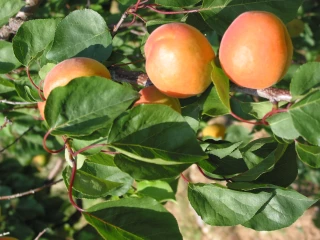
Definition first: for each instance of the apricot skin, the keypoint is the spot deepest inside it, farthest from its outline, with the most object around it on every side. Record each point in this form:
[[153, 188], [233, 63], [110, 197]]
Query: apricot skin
[[178, 60], [215, 131], [151, 95], [72, 68], [41, 106], [256, 50]]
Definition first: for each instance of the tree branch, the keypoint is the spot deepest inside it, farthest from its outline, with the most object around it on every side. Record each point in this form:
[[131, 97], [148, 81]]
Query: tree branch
[[6, 122], [23, 15], [140, 78]]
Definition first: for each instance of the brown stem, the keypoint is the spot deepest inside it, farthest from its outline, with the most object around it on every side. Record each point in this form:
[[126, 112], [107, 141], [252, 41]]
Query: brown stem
[[244, 120], [5, 123], [45, 145], [171, 13], [33, 191], [41, 233], [184, 178]]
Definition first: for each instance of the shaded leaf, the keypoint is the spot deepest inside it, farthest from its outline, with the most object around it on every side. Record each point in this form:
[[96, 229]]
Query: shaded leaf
[[310, 155]]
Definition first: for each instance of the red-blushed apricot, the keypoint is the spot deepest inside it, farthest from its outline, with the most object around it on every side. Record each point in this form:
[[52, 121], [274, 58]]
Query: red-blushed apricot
[[72, 68], [214, 130], [151, 95], [256, 50], [41, 106], [178, 60]]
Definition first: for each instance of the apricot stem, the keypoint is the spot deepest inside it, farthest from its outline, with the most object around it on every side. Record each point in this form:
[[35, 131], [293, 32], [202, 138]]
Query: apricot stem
[[31, 80], [244, 120], [87, 148], [45, 145]]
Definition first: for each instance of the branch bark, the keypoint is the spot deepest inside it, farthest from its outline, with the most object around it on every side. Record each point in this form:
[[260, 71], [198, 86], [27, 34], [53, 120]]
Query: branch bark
[[23, 15], [139, 78]]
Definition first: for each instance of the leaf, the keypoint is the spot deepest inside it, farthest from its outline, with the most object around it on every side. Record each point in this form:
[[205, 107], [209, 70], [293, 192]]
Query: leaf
[[284, 172], [8, 9], [75, 37], [310, 155], [221, 83], [146, 133], [133, 218], [88, 184], [282, 126], [212, 105], [305, 79], [248, 186], [159, 190], [26, 91], [67, 111], [219, 206], [256, 109], [238, 133], [8, 61], [283, 209], [45, 69], [6, 86], [147, 171], [222, 150], [176, 3], [32, 38], [305, 119], [220, 14]]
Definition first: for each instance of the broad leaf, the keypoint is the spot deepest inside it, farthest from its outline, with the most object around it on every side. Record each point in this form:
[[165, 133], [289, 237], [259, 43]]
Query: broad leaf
[[212, 105], [134, 219], [305, 78], [6, 86], [32, 38], [310, 155], [159, 190], [222, 150], [282, 126], [221, 83], [219, 206], [75, 37], [283, 209], [306, 119], [8, 61], [147, 171], [248, 186], [8, 9], [220, 14], [156, 134], [67, 111]]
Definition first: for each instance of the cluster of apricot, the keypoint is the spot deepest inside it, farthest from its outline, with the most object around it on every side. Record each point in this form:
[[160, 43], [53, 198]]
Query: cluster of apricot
[[255, 52]]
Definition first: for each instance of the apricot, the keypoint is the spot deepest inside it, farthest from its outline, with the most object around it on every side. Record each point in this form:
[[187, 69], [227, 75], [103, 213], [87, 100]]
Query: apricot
[[256, 50], [151, 95], [68, 70], [178, 60], [215, 131], [72, 68]]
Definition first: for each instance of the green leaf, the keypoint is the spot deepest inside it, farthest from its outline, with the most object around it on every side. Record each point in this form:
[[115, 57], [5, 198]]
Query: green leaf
[[26, 91], [67, 111], [248, 186], [306, 119], [256, 109], [222, 150], [8, 61], [238, 133], [90, 185], [310, 155], [159, 190], [147, 171], [221, 83], [32, 38], [219, 206], [45, 69], [220, 14], [75, 37], [282, 126], [212, 105], [283, 209], [305, 79], [6, 86], [8, 9], [176, 3], [146, 133], [134, 219]]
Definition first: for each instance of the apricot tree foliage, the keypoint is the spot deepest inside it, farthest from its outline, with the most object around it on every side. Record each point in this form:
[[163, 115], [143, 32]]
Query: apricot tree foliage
[[131, 158]]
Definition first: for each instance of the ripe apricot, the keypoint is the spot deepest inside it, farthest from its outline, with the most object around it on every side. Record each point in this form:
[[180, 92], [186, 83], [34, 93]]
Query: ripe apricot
[[68, 70], [215, 131], [178, 60], [72, 68], [151, 95], [256, 50]]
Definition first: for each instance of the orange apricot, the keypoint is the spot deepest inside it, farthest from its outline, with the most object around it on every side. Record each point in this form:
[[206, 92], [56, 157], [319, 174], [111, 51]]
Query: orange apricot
[[178, 60], [72, 68], [41, 106], [256, 50], [215, 131], [151, 95]]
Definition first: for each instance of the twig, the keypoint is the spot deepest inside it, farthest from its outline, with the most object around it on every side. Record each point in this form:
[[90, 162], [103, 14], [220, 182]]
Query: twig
[[55, 170], [6, 122], [16, 140], [33, 191], [14, 103], [41, 233], [23, 15]]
